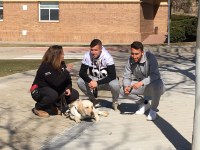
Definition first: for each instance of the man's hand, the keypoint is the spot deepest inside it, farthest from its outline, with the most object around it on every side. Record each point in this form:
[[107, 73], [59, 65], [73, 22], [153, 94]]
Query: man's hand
[[127, 89], [137, 85], [92, 84]]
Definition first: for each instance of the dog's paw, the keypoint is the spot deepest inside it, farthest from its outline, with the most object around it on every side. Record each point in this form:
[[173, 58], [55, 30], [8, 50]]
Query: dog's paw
[[103, 113], [97, 118], [77, 120]]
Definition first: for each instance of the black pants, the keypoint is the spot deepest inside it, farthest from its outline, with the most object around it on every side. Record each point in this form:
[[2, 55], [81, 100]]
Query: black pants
[[49, 97]]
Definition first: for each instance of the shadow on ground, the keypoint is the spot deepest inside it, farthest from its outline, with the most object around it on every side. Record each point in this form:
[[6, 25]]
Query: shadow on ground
[[20, 129]]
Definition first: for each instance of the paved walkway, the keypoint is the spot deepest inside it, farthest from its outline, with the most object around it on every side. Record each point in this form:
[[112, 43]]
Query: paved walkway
[[20, 129]]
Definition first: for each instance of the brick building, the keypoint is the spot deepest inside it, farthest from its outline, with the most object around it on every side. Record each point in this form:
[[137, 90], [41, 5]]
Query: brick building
[[79, 21]]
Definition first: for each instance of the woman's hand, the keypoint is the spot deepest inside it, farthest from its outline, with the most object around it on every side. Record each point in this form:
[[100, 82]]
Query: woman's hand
[[67, 92], [69, 67]]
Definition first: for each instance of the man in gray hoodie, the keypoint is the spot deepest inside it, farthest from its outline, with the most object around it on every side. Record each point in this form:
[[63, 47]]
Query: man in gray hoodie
[[142, 81]]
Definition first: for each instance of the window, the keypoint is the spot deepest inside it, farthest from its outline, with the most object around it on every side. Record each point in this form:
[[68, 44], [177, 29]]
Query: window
[[1, 10], [49, 11]]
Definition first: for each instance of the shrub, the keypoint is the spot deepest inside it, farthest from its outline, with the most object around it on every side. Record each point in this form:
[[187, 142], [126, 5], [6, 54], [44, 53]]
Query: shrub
[[177, 32], [183, 28]]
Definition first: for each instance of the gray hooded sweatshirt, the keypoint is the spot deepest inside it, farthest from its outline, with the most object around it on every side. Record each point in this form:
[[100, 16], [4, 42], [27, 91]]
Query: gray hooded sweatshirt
[[146, 70]]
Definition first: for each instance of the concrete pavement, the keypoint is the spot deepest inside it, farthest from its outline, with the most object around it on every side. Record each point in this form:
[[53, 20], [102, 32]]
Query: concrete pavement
[[21, 129]]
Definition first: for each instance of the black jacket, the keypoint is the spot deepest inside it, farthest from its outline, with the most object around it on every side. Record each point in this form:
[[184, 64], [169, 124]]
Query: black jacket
[[59, 80]]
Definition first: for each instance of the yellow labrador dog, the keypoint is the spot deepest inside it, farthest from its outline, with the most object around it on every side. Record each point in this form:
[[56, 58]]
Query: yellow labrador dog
[[82, 109]]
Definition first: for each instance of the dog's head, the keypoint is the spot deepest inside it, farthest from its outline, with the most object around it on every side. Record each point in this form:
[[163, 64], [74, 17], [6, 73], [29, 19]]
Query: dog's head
[[85, 108]]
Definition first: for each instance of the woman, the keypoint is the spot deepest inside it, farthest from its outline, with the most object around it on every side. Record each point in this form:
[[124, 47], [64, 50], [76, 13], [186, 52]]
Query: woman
[[51, 82]]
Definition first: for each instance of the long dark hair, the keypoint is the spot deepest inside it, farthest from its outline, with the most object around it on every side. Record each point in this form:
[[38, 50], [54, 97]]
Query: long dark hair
[[53, 56]]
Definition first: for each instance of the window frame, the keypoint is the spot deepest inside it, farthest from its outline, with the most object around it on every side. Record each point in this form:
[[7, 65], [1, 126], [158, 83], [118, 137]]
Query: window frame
[[49, 8], [1, 8]]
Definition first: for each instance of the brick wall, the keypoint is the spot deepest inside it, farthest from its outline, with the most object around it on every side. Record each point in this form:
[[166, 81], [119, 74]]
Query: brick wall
[[160, 19], [153, 18], [112, 22], [146, 20]]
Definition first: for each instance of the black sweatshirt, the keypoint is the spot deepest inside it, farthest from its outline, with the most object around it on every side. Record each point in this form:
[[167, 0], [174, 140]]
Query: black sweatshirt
[[110, 70], [59, 80]]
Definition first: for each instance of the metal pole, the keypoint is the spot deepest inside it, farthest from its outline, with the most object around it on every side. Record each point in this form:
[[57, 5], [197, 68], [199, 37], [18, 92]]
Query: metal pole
[[196, 121], [169, 20]]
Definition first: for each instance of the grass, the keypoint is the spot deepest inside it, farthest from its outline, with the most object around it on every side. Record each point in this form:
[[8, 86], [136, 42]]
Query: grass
[[12, 66]]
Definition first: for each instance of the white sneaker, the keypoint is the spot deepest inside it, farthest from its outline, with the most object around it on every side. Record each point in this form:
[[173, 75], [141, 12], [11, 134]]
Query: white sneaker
[[152, 115], [95, 102], [142, 108], [97, 105]]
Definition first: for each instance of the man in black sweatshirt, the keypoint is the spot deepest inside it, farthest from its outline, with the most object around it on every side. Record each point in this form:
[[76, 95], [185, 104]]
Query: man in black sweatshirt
[[102, 73]]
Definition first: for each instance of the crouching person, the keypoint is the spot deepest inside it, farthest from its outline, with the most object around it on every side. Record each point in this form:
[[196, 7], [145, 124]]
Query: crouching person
[[142, 81], [102, 74], [52, 81]]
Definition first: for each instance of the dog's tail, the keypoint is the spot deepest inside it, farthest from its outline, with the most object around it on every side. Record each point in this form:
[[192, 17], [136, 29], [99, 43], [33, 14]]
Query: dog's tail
[[103, 113]]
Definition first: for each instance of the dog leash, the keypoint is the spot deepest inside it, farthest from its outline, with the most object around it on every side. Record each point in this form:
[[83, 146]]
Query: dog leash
[[63, 104]]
